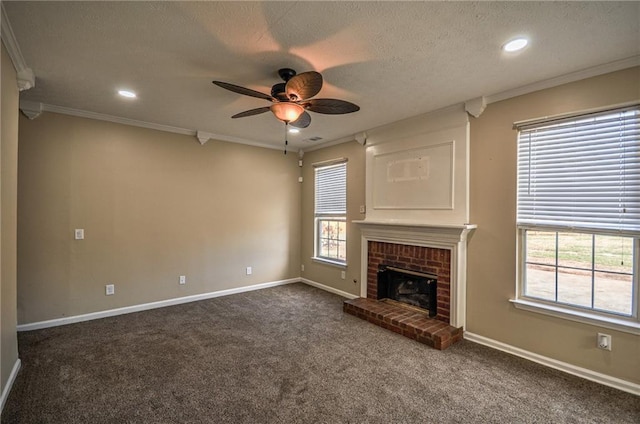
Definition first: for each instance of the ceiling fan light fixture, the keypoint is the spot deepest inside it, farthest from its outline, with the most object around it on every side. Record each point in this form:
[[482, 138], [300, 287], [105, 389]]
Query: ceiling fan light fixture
[[286, 111]]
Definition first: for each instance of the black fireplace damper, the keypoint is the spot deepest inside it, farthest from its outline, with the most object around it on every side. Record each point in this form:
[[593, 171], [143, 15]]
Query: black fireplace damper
[[411, 287]]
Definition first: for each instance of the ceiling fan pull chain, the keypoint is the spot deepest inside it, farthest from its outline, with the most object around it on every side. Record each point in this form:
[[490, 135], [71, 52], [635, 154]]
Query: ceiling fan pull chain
[[286, 142]]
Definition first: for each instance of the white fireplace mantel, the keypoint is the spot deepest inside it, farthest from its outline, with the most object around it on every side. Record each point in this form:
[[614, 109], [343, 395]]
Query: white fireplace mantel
[[446, 236]]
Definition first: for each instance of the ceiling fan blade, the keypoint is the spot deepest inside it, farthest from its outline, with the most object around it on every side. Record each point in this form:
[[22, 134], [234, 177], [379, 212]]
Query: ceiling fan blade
[[243, 90], [304, 86], [331, 106], [252, 112], [302, 122]]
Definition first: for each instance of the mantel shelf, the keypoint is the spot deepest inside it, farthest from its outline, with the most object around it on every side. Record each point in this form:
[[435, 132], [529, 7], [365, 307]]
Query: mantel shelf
[[399, 223]]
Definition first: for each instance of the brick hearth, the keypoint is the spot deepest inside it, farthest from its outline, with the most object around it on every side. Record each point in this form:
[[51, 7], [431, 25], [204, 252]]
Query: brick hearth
[[404, 320]]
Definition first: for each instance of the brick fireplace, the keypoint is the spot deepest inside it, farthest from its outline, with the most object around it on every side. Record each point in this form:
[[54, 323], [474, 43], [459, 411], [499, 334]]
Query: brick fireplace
[[414, 258], [417, 214], [437, 250]]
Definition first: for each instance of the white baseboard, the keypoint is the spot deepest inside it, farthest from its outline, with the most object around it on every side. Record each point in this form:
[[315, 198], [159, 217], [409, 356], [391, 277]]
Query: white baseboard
[[329, 289], [585, 373], [152, 305], [7, 388]]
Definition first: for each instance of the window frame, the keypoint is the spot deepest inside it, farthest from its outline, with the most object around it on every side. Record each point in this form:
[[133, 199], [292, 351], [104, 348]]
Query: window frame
[[625, 323], [317, 240], [329, 216], [573, 312]]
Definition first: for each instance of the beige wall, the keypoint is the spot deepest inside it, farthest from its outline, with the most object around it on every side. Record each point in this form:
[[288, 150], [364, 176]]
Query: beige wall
[[157, 205], [323, 273], [154, 205], [492, 258], [8, 207]]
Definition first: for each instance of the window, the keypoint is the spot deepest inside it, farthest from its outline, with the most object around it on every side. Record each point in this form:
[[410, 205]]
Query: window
[[331, 213], [579, 215]]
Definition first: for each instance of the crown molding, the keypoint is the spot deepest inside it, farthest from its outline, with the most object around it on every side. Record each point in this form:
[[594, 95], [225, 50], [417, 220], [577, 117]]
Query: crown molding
[[361, 138], [329, 143], [203, 137], [26, 77], [594, 71], [476, 106], [115, 119], [31, 109]]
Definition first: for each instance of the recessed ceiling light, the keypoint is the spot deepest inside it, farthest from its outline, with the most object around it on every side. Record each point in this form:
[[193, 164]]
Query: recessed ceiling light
[[515, 45], [294, 130], [127, 93]]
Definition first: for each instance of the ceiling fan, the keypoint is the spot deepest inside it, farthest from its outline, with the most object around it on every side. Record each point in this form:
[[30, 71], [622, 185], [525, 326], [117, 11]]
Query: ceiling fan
[[291, 99]]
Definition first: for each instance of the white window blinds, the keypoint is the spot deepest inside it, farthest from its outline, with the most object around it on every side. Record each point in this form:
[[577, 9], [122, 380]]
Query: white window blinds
[[581, 172], [331, 189]]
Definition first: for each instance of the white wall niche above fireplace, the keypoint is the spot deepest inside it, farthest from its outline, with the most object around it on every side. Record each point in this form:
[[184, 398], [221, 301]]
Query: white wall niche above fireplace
[[420, 172], [420, 178]]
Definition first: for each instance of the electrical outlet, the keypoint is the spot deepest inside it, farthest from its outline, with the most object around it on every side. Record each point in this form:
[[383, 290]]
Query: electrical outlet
[[249, 270], [79, 234], [109, 289], [604, 341], [362, 209], [302, 267], [343, 274], [183, 279]]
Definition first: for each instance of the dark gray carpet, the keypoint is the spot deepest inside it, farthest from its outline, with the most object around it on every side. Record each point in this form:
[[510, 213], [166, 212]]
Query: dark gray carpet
[[284, 355]]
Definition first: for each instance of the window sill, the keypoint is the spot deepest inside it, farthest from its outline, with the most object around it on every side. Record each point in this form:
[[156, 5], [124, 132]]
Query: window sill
[[325, 261], [584, 317]]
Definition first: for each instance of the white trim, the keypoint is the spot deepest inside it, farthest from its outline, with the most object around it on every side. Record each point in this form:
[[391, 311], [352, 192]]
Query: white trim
[[152, 125], [583, 317], [152, 305], [116, 119], [326, 261], [329, 289], [26, 77], [31, 109], [7, 388], [10, 42], [232, 139], [476, 106], [450, 237], [330, 162], [329, 143], [616, 383], [594, 71]]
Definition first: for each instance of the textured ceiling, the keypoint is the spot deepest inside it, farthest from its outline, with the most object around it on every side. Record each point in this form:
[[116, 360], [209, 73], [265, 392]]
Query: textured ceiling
[[394, 59]]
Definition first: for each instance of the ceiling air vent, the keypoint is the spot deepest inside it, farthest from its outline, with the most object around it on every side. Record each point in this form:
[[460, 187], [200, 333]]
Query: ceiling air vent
[[310, 139]]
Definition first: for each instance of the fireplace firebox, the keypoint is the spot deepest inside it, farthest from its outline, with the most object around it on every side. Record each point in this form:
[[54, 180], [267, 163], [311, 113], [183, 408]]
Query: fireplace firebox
[[414, 288]]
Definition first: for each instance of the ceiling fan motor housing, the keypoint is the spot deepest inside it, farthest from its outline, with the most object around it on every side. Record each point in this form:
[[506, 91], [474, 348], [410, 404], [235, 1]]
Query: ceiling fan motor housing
[[286, 74], [279, 91]]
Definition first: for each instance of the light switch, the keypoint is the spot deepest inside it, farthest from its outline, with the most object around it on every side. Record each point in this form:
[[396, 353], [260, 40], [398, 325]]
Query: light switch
[[79, 234]]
